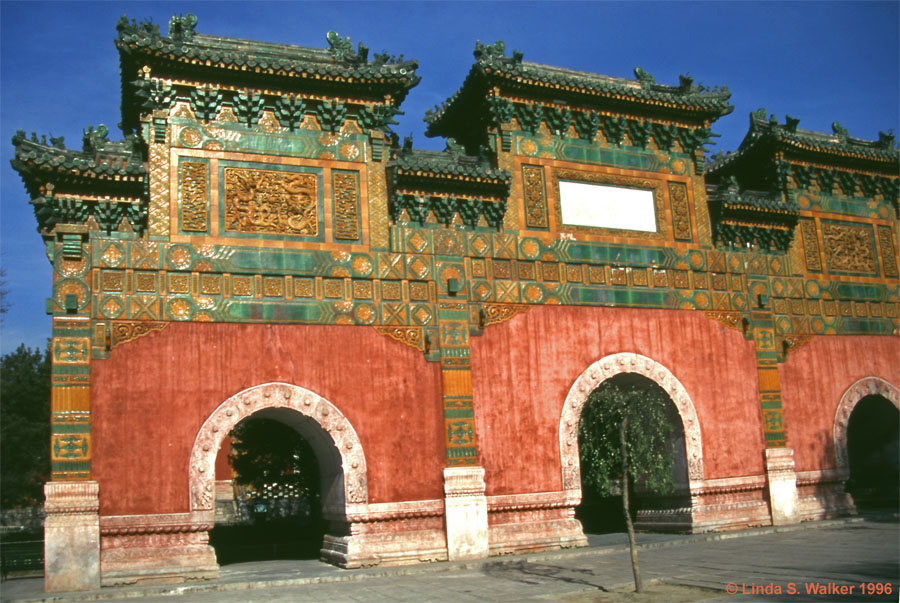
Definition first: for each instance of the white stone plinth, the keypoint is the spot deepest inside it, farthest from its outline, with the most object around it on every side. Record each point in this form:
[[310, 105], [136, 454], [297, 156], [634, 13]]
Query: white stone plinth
[[465, 513], [71, 536], [784, 502]]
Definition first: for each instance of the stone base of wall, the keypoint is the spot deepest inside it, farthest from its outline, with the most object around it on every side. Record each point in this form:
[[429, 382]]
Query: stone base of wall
[[822, 495], [143, 549], [678, 520], [387, 534], [155, 549], [744, 502], [735, 503], [521, 523], [710, 506], [664, 513]]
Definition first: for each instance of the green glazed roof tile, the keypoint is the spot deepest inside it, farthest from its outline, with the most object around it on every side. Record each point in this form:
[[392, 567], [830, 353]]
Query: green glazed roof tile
[[339, 60], [767, 136], [36, 160], [443, 163], [493, 68]]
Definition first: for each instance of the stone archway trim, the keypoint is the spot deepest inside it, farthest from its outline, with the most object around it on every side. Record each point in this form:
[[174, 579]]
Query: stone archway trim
[[274, 395], [600, 371], [866, 386]]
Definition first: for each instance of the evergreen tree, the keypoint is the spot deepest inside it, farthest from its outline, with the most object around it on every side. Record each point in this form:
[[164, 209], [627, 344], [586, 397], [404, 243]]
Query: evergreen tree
[[624, 439], [24, 426]]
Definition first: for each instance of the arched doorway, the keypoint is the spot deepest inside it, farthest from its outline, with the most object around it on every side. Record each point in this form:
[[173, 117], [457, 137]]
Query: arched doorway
[[873, 453], [665, 513], [275, 492], [867, 443], [341, 462]]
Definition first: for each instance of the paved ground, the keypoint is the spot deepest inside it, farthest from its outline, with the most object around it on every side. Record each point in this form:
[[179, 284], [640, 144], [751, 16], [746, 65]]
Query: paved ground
[[783, 564]]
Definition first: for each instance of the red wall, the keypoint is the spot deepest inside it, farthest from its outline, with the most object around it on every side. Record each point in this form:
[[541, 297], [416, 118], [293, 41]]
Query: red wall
[[815, 376], [151, 396], [523, 370]]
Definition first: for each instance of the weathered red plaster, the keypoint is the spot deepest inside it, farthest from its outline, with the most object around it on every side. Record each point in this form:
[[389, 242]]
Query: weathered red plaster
[[815, 376], [151, 396], [524, 368]]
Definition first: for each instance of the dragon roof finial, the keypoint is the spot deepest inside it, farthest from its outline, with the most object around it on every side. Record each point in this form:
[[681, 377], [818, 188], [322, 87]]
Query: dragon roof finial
[[342, 50], [182, 28], [839, 130]]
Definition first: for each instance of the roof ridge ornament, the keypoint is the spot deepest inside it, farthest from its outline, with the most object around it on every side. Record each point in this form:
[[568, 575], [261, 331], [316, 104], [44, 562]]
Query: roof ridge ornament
[[840, 131], [182, 28], [491, 52], [453, 148], [145, 26], [886, 140], [94, 140], [645, 78], [342, 49], [686, 84], [791, 123], [759, 114]]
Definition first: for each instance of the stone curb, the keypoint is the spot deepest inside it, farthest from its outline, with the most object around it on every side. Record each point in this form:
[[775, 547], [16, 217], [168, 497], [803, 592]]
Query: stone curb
[[133, 592]]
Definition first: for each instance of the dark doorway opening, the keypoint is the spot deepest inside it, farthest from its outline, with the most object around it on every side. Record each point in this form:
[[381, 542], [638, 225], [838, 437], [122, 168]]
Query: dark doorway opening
[[277, 495], [601, 512], [873, 450]]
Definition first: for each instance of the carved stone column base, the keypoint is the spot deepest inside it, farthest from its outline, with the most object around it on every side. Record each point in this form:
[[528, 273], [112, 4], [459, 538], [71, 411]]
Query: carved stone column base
[[156, 549], [71, 536], [521, 523], [784, 502], [400, 533], [465, 513]]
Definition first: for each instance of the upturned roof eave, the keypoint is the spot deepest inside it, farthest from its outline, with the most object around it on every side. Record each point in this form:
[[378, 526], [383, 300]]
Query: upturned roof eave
[[703, 106], [215, 52], [830, 150], [37, 163]]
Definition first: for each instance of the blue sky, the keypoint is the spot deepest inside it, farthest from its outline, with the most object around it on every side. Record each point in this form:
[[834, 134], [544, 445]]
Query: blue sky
[[818, 61]]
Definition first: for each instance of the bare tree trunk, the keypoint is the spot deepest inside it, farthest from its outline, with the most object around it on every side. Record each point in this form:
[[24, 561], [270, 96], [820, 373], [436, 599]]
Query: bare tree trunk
[[635, 568]]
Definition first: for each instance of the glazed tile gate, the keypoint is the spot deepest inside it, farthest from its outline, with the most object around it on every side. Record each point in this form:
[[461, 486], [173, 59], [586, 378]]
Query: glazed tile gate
[[260, 243]]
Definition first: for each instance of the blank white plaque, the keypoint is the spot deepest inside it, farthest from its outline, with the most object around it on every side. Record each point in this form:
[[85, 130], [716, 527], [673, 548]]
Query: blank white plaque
[[601, 206]]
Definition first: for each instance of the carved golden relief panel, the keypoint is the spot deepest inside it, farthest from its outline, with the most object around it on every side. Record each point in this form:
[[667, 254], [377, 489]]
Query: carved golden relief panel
[[158, 211], [534, 196], [346, 205], [681, 214], [888, 253], [269, 201], [194, 214], [849, 247], [810, 245]]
